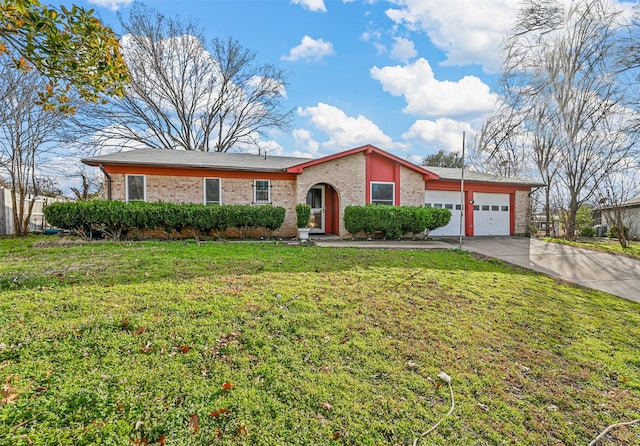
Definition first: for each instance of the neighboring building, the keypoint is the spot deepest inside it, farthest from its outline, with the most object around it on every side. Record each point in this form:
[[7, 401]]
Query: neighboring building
[[493, 205], [629, 215], [37, 222]]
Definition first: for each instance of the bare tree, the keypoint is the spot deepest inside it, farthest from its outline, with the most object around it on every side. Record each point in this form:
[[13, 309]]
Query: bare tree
[[27, 131], [617, 193], [501, 144], [91, 185], [629, 59], [185, 94], [561, 74]]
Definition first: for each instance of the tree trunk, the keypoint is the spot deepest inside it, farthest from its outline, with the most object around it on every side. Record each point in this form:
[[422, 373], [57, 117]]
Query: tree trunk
[[21, 217], [547, 210], [571, 220]]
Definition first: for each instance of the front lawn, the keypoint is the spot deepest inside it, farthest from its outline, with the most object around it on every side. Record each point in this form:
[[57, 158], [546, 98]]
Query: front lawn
[[175, 343], [602, 245]]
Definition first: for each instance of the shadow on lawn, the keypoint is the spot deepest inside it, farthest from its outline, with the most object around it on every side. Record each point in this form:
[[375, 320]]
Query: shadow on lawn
[[111, 263]]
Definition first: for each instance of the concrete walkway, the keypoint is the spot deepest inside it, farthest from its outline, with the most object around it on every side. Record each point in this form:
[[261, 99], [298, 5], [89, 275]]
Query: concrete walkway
[[612, 274], [381, 244]]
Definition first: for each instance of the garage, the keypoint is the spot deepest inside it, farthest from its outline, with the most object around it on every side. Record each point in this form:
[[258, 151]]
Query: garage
[[446, 200], [491, 214]]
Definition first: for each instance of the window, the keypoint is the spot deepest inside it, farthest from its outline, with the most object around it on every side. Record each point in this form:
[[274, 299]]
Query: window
[[448, 206], [427, 205], [505, 208], [495, 208], [485, 207], [136, 188], [437, 205], [262, 191], [382, 193], [212, 192], [458, 207], [476, 207]]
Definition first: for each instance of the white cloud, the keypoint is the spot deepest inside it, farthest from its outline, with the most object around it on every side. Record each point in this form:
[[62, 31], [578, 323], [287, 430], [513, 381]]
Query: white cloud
[[304, 138], [427, 96], [403, 49], [344, 131], [310, 49], [441, 134], [468, 31], [311, 5], [113, 5]]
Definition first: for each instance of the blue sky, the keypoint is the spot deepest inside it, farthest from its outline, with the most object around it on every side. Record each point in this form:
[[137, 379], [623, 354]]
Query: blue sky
[[408, 76]]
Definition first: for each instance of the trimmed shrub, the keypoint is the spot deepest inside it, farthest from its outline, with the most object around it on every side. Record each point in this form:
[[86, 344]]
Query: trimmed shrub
[[393, 221], [303, 215], [70, 216], [271, 218], [587, 232], [115, 218]]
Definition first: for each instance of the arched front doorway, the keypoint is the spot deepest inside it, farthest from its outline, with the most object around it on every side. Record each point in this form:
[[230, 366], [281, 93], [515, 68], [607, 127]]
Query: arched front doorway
[[325, 209]]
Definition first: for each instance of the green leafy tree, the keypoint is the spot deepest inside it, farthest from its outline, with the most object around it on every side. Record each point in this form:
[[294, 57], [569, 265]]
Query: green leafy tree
[[584, 221], [443, 159], [70, 47]]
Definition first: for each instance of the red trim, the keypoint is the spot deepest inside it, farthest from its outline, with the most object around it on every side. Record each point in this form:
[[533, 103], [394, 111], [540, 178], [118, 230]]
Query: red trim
[[476, 186], [182, 172], [430, 176], [368, 150], [470, 188], [468, 213], [332, 207], [397, 185], [367, 179]]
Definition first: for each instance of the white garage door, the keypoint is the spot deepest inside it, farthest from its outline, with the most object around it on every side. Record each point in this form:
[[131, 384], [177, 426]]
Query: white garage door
[[491, 214], [447, 200]]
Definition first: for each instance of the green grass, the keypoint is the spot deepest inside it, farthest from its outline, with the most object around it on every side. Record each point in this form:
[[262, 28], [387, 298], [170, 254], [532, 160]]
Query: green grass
[[108, 343], [602, 245]]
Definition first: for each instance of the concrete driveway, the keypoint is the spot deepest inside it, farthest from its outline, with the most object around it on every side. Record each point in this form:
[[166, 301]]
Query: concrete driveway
[[613, 274]]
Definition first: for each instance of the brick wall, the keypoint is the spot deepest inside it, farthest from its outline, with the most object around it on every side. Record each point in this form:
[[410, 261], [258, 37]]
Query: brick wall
[[522, 212], [182, 189], [411, 188], [346, 175]]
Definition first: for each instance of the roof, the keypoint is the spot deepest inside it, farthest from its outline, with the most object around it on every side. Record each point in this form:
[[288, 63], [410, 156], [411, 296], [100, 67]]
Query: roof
[[268, 163], [633, 202], [368, 149], [455, 174], [197, 160]]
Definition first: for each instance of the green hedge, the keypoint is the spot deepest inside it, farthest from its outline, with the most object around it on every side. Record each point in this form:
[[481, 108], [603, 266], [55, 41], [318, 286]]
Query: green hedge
[[115, 218], [394, 221]]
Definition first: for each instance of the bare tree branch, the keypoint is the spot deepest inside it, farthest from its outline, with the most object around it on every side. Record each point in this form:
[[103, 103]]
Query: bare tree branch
[[27, 133], [562, 75], [185, 94]]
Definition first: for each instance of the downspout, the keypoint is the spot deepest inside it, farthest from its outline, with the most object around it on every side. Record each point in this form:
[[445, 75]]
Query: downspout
[[108, 177]]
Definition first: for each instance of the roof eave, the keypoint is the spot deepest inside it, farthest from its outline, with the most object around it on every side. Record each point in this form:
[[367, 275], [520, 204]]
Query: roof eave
[[506, 183], [367, 149], [98, 162]]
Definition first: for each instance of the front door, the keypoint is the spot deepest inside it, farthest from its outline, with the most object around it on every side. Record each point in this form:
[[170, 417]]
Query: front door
[[315, 199]]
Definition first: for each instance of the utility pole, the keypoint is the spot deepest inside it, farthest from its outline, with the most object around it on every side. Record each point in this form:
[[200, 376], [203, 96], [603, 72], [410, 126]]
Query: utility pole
[[462, 201]]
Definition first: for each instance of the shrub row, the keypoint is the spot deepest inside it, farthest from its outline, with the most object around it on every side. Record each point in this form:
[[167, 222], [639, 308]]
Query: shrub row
[[394, 221], [115, 218]]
